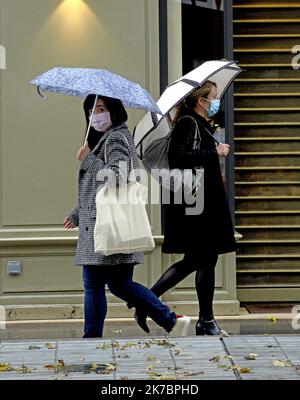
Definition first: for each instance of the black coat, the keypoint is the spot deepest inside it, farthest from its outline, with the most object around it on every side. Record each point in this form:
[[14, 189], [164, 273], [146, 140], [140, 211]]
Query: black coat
[[212, 229]]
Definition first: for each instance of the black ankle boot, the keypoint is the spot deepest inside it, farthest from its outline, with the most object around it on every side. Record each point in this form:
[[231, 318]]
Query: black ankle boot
[[207, 327], [141, 319]]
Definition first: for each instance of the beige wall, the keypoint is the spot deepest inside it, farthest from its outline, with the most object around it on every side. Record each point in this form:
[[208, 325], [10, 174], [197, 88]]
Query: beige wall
[[39, 140]]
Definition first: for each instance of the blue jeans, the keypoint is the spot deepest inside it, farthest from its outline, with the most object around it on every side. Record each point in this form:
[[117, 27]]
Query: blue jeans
[[119, 281]]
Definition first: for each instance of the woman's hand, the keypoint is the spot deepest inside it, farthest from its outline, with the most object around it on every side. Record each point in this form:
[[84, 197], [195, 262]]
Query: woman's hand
[[68, 224], [83, 152], [223, 149]]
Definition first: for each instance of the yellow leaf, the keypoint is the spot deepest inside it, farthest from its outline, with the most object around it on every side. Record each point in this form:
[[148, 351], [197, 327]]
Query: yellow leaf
[[272, 319], [151, 358], [24, 369], [50, 346], [4, 367], [245, 371]]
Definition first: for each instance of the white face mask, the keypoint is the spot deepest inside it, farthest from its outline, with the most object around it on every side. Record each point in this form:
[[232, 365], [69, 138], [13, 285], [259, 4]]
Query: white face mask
[[101, 121]]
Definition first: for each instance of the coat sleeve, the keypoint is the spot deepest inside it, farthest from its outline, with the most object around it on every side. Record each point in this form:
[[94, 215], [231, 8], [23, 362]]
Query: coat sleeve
[[118, 159], [74, 216], [181, 147]]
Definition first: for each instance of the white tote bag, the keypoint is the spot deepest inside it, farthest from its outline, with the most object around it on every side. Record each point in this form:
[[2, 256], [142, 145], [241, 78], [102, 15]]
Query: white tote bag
[[122, 224]]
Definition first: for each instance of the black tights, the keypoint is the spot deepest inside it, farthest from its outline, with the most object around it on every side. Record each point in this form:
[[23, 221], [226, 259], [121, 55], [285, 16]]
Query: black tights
[[204, 266]]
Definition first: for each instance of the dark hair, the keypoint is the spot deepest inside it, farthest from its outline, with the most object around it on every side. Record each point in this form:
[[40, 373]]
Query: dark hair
[[117, 111], [189, 103]]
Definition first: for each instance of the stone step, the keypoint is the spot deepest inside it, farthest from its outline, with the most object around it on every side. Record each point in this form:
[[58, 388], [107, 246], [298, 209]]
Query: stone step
[[266, 41], [267, 14], [270, 279], [262, 3], [267, 144], [265, 26], [268, 217], [262, 188], [248, 99], [267, 262], [276, 173], [252, 159], [244, 203], [269, 232], [269, 71], [268, 246], [264, 55], [275, 130], [252, 86], [270, 114]]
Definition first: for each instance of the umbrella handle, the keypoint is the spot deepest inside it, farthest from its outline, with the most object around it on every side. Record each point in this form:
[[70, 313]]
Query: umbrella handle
[[41, 94], [89, 126]]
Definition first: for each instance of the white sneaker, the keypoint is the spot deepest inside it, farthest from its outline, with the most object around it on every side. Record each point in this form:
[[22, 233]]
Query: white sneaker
[[182, 326]]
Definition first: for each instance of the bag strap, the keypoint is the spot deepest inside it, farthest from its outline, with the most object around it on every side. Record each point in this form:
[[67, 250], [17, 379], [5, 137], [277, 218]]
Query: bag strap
[[197, 133], [131, 160], [197, 129]]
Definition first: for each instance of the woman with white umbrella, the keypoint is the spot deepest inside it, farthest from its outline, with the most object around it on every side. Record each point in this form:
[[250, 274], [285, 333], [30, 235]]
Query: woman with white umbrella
[[201, 238]]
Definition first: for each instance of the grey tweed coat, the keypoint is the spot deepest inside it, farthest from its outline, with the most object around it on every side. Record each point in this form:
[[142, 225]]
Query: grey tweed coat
[[90, 181]]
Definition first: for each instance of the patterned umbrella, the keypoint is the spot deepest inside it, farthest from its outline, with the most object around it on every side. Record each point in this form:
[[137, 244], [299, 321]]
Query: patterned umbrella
[[84, 81]]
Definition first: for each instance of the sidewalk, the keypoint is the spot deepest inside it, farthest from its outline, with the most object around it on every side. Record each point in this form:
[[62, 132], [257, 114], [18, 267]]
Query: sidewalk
[[248, 357]]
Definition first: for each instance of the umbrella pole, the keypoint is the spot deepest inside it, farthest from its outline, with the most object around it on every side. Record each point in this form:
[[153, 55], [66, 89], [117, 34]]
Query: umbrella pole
[[89, 126]]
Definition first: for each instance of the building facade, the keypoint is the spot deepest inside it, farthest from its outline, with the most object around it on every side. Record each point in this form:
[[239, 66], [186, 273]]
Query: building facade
[[151, 42]]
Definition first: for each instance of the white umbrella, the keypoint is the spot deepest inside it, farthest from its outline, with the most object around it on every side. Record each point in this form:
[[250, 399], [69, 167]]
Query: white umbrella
[[154, 126]]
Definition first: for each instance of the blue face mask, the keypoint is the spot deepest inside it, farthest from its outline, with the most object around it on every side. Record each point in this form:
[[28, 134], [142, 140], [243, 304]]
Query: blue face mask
[[214, 107]]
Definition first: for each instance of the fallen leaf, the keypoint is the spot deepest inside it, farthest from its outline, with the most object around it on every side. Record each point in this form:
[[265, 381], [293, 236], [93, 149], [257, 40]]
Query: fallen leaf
[[177, 352], [5, 367], [245, 371], [103, 346], [161, 376], [282, 363], [49, 366], [151, 358], [117, 331], [193, 373], [50, 346], [163, 342], [123, 356], [24, 369], [116, 344], [278, 363], [251, 356], [272, 319], [149, 368], [61, 362]]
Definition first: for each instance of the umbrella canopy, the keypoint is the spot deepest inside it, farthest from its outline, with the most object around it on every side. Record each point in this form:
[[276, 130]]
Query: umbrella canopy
[[84, 81], [154, 125]]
